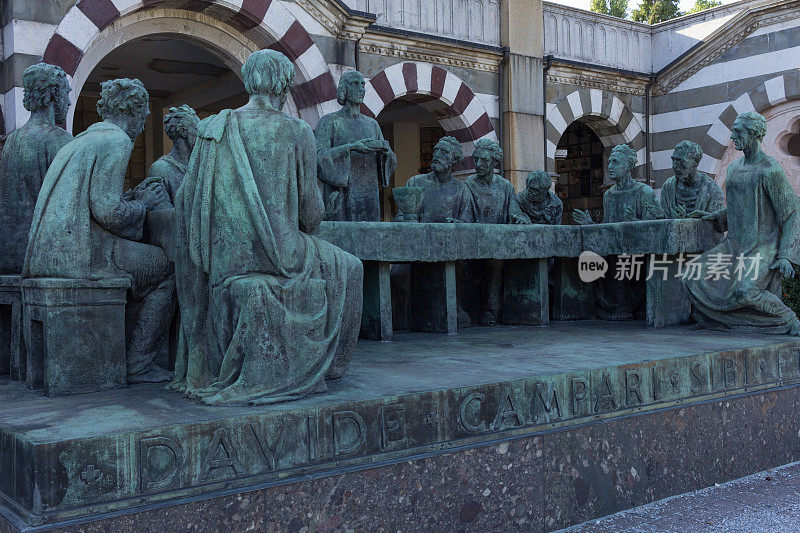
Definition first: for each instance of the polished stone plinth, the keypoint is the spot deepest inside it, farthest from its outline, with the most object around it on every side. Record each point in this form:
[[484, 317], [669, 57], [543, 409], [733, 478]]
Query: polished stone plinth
[[508, 407]]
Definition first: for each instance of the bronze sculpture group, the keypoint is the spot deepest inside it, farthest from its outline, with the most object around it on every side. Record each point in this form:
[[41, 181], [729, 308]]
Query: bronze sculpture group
[[268, 312]]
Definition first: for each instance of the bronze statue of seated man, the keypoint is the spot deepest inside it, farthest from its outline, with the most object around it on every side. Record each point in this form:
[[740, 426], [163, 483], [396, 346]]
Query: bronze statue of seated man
[[84, 227]]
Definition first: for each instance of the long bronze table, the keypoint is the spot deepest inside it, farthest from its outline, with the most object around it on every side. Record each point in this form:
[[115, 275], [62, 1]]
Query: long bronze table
[[433, 250]]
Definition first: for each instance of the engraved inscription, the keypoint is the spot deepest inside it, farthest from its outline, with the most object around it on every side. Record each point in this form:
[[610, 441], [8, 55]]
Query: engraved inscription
[[507, 415], [271, 453], [220, 456], [160, 461], [605, 396], [349, 433], [697, 379], [728, 372], [633, 385], [393, 425], [90, 475], [469, 413], [580, 397], [284, 440], [546, 404]]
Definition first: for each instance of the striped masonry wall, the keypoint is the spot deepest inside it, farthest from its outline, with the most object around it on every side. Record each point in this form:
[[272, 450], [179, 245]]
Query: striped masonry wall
[[605, 113], [761, 71], [266, 22], [457, 108]]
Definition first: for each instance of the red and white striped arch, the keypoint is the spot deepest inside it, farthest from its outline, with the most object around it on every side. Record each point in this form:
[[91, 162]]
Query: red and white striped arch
[[460, 112], [267, 23]]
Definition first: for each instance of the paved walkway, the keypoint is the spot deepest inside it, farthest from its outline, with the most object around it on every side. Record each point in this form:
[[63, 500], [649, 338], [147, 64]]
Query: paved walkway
[[767, 501]]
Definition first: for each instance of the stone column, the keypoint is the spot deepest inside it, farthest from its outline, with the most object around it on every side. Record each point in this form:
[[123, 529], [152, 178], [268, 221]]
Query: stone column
[[522, 33], [376, 317]]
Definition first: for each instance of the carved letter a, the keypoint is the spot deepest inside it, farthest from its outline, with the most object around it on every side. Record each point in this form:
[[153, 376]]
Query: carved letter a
[[220, 454], [506, 411]]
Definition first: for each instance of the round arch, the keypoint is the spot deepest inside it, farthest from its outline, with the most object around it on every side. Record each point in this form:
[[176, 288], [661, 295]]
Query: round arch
[[761, 98], [92, 28], [615, 123], [445, 95]]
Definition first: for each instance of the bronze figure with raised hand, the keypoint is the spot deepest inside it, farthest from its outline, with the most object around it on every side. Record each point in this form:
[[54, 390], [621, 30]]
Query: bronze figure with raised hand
[[689, 189], [353, 157], [627, 199], [762, 219]]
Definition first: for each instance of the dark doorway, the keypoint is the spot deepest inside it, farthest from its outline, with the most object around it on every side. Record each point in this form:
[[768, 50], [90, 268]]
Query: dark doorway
[[174, 72], [580, 164]]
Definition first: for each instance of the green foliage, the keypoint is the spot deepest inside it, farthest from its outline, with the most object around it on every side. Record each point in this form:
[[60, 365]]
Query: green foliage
[[791, 292], [615, 8], [655, 11], [701, 5]]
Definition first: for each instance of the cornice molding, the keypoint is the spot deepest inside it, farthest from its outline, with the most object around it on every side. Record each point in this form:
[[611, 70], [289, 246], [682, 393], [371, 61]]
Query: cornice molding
[[604, 80], [439, 52], [722, 40], [337, 19]]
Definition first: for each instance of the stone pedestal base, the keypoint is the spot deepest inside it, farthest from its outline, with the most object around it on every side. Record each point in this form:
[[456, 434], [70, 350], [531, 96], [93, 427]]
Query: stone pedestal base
[[74, 334], [505, 428], [667, 304], [12, 360]]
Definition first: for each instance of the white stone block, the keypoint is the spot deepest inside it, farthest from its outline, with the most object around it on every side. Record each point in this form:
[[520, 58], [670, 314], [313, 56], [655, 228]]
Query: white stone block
[[396, 80], [776, 90], [574, 100], [77, 29]]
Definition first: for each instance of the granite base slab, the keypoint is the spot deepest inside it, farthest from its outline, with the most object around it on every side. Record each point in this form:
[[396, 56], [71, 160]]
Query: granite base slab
[[567, 422]]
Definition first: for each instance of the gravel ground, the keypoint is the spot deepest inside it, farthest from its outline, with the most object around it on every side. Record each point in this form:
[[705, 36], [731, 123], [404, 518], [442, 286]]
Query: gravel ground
[[767, 501]]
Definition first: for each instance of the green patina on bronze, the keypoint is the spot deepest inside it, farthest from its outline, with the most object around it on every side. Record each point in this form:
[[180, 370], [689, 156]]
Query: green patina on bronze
[[354, 160], [420, 395], [494, 198], [762, 218], [444, 198], [494, 201], [85, 228], [180, 125], [625, 201], [689, 189], [268, 312], [27, 155], [538, 201]]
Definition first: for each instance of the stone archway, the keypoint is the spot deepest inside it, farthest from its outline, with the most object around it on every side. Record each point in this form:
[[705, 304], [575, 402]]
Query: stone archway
[[445, 95], [768, 98], [92, 28], [606, 114]]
